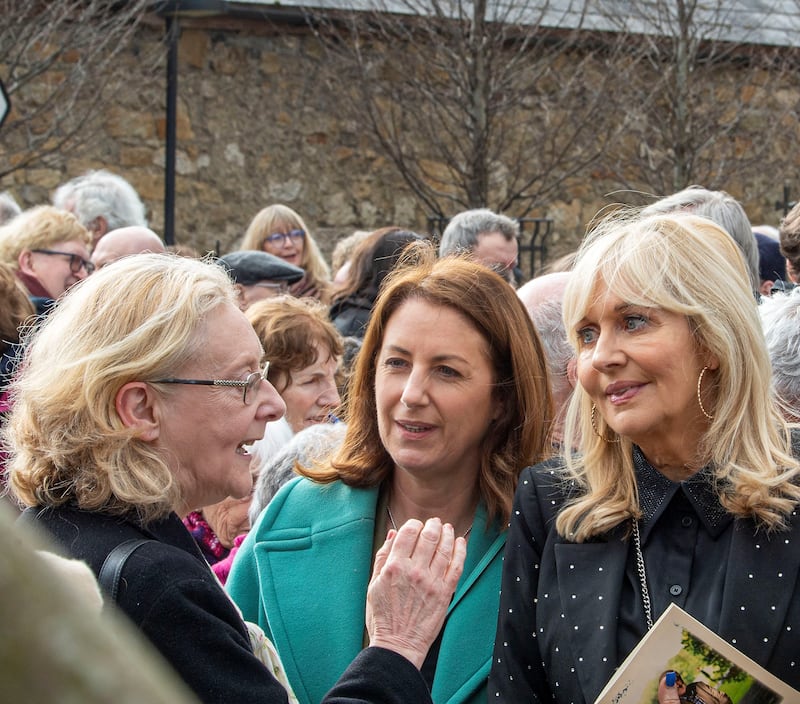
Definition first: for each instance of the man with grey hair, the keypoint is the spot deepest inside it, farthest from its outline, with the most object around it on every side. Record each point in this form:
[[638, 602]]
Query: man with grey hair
[[489, 238], [722, 209], [102, 201], [9, 208]]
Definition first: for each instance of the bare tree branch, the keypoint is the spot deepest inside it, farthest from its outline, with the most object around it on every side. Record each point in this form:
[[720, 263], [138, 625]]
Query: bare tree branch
[[490, 103], [61, 64], [708, 100]]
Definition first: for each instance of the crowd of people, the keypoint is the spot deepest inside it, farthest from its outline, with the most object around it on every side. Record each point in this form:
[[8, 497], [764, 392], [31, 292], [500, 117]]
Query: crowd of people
[[415, 479]]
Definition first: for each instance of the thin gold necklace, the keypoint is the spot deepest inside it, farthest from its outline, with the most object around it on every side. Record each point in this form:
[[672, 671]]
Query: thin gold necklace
[[394, 525]]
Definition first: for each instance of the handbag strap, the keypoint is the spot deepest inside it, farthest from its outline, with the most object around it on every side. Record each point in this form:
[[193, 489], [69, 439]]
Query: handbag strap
[[109, 577]]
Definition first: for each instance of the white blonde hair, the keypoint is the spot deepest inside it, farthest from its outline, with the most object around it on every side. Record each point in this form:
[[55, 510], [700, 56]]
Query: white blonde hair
[[687, 265], [140, 319]]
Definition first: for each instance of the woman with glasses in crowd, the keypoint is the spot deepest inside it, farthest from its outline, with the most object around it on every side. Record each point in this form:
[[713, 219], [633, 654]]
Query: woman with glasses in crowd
[[133, 409], [279, 230], [49, 251], [306, 349]]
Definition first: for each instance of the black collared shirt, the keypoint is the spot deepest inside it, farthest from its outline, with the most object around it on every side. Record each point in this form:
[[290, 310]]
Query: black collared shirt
[[686, 537]]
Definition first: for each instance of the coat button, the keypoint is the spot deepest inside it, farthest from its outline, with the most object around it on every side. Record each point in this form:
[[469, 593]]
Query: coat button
[[676, 589], [686, 521]]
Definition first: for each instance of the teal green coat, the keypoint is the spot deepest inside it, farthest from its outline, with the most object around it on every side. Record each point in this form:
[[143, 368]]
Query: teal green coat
[[302, 575]]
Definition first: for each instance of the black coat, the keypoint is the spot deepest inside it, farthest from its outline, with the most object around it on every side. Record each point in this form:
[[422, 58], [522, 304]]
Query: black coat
[[168, 590], [351, 315], [560, 603]]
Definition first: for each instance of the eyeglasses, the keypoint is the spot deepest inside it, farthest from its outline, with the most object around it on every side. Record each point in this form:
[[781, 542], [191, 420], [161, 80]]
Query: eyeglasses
[[279, 238], [76, 261], [250, 385], [278, 287]]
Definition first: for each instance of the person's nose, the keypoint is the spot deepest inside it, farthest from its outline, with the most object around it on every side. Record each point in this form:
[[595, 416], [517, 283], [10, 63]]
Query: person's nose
[[330, 396], [415, 390], [271, 406], [607, 351]]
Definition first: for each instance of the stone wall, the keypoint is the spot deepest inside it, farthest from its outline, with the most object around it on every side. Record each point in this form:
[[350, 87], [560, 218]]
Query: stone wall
[[254, 127]]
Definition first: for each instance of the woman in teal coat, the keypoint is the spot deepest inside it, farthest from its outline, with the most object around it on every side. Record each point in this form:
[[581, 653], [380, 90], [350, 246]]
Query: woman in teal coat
[[449, 401]]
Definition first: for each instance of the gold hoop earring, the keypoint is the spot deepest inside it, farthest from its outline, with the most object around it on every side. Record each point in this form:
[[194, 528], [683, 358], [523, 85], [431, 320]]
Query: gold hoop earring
[[594, 426], [699, 398]]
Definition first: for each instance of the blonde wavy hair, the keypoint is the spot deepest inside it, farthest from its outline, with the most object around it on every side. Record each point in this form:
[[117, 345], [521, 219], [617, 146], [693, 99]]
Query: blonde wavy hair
[[142, 318], [39, 228], [277, 218], [687, 265], [519, 437], [16, 310]]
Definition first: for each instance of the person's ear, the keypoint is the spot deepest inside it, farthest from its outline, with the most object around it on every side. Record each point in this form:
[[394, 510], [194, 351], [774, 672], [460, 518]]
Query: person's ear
[[791, 271], [711, 361], [240, 296], [766, 287], [98, 226], [25, 262], [572, 372], [136, 405]]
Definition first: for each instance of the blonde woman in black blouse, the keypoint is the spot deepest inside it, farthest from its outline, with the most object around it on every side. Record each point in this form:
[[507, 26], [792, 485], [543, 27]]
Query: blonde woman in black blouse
[[682, 487]]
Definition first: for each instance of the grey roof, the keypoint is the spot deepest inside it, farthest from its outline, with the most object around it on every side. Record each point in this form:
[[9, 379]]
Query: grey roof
[[771, 22]]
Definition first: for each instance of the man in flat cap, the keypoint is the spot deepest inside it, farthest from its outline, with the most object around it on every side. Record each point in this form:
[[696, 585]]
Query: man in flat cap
[[259, 275]]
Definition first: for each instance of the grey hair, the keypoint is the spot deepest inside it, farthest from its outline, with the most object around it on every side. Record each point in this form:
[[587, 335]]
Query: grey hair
[[101, 194], [780, 320], [308, 447], [724, 210], [548, 320], [9, 208], [462, 232]]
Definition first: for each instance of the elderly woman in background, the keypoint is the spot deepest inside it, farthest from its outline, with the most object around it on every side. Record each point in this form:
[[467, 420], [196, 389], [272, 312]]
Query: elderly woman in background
[[279, 230], [219, 529], [49, 251], [304, 349], [449, 400], [311, 446], [682, 485], [146, 414]]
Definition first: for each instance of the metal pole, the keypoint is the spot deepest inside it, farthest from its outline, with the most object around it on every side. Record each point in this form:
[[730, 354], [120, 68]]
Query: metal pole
[[173, 31]]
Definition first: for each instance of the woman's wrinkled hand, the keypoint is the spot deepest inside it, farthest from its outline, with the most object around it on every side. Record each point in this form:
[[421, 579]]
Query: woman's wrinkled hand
[[416, 572]]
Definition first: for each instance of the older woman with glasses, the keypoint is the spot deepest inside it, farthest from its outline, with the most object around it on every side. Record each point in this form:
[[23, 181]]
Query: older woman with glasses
[[49, 251], [279, 230], [145, 415]]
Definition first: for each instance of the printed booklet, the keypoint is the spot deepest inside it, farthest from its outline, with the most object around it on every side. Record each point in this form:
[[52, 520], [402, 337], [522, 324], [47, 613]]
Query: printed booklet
[[679, 656]]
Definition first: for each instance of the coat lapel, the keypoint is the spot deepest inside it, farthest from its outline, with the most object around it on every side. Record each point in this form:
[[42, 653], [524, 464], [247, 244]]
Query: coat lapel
[[762, 572], [590, 576], [314, 583], [466, 651]]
